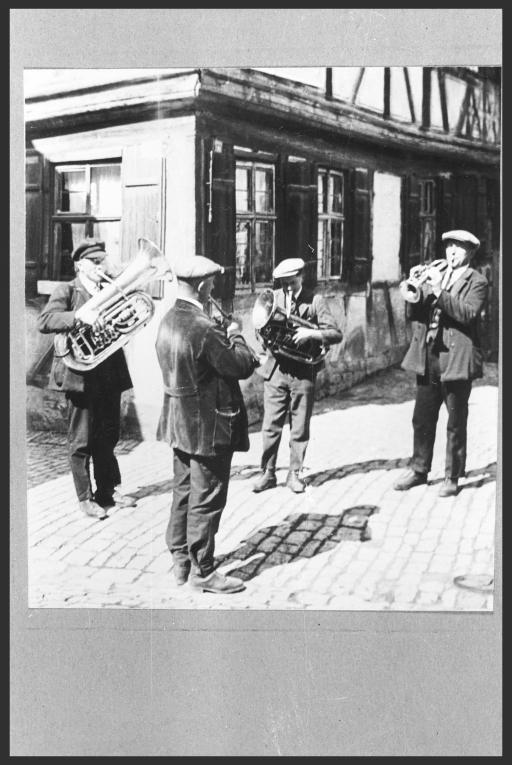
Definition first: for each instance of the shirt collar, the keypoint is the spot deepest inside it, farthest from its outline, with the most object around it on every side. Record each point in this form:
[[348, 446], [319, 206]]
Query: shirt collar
[[458, 272], [193, 301]]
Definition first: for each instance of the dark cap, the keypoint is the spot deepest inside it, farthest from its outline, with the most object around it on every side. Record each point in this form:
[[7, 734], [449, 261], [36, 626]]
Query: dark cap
[[87, 248]]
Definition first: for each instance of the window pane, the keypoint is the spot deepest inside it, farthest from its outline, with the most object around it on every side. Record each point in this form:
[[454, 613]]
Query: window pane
[[66, 236], [322, 192], [336, 193], [242, 252], [263, 251], [106, 190], [336, 242], [264, 196], [71, 190], [242, 188]]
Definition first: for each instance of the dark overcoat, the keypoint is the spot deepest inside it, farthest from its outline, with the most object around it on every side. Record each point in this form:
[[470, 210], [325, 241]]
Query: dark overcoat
[[203, 410], [315, 309], [59, 316], [458, 341]]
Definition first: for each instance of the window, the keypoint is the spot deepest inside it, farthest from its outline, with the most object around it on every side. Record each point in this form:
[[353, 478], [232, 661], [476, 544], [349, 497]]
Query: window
[[331, 220], [86, 202], [427, 220], [255, 223]]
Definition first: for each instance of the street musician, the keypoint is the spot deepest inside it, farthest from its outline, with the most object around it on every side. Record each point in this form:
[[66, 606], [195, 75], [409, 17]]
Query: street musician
[[289, 384]]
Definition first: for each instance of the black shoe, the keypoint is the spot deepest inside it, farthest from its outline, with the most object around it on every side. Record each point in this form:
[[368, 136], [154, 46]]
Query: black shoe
[[216, 582], [105, 500], [267, 480], [449, 487], [181, 572], [410, 479], [295, 483]]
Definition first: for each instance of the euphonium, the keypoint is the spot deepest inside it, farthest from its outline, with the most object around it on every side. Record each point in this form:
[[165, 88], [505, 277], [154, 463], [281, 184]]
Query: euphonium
[[419, 274], [277, 331], [123, 311]]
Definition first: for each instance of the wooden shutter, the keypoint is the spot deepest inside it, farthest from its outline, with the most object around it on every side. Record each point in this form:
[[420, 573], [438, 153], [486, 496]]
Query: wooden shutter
[[411, 232], [445, 208], [220, 212], [362, 185], [143, 170], [34, 212], [298, 223], [466, 203]]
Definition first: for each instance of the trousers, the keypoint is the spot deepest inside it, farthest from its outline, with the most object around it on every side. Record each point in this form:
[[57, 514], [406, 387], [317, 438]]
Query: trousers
[[93, 432], [200, 491], [430, 394], [285, 394]]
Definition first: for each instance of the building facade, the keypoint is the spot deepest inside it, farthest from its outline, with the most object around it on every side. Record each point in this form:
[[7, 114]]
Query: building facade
[[356, 170]]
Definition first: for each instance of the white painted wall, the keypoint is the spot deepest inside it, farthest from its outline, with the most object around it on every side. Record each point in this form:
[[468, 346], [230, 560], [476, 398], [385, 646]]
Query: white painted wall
[[386, 227]]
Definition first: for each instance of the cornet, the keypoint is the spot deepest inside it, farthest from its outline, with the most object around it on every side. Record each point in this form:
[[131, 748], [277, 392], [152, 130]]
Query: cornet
[[419, 274]]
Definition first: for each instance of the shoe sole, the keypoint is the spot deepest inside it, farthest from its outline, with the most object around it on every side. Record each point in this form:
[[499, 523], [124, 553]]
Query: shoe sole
[[201, 588], [258, 491]]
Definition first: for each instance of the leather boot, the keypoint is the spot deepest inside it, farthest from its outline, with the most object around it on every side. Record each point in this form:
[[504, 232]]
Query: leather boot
[[449, 488], [409, 480], [216, 582], [267, 480], [295, 483], [89, 507]]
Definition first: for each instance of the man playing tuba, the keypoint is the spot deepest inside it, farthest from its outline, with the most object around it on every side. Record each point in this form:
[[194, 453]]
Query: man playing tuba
[[94, 397], [289, 385]]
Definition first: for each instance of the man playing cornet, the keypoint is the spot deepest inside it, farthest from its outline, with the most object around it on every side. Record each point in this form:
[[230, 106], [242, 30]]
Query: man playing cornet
[[94, 397], [446, 355]]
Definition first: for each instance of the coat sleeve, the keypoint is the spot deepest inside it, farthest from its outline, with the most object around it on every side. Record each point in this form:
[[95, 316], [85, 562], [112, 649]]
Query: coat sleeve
[[464, 308], [57, 315], [331, 333], [420, 311], [230, 358]]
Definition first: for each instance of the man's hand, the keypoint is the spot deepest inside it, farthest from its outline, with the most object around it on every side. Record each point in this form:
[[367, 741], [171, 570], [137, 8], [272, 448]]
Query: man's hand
[[234, 329], [90, 316], [302, 334], [434, 278]]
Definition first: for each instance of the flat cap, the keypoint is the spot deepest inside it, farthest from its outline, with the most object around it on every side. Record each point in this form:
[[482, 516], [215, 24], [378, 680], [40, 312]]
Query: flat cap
[[88, 247], [196, 267], [465, 237], [288, 267]]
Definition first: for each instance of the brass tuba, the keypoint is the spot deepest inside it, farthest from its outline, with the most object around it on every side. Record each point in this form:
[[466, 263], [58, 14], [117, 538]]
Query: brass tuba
[[276, 329], [123, 311]]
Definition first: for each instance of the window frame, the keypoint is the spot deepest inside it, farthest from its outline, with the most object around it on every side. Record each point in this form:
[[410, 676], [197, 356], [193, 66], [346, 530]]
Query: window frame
[[253, 216], [87, 218], [323, 273]]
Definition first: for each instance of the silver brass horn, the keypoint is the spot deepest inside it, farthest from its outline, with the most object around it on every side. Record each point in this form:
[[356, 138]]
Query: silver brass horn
[[277, 330], [123, 311]]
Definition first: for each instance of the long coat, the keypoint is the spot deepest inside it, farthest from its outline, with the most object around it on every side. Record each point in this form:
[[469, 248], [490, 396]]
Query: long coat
[[458, 341], [203, 410], [59, 316], [315, 309]]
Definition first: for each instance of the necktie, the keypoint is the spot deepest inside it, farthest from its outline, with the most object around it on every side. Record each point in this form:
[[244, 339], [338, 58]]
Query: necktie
[[433, 327]]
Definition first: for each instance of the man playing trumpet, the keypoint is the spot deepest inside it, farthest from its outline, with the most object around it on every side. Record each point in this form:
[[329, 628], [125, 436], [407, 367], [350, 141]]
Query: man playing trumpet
[[289, 385], [446, 355]]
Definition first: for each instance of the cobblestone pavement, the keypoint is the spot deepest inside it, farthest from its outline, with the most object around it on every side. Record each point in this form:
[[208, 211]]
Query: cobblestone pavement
[[349, 542]]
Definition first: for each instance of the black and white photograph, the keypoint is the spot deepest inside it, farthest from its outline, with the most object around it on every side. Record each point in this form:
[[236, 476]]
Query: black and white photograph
[[262, 337], [261, 323]]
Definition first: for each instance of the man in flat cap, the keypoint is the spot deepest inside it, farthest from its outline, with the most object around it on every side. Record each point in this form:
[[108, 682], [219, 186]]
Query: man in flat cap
[[289, 384], [94, 397], [446, 355], [203, 419]]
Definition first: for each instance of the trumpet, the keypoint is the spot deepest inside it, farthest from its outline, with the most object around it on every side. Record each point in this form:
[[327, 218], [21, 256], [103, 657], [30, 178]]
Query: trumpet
[[224, 320], [419, 274]]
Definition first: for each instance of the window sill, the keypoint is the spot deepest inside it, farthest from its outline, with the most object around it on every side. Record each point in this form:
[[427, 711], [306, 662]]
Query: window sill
[[46, 287]]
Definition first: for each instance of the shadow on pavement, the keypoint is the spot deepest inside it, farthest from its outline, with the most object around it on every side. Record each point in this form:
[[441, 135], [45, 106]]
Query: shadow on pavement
[[299, 536], [317, 479], [482, 475]]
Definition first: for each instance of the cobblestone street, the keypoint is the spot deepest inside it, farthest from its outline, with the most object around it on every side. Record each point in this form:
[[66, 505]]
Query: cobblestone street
[[350, 542]]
